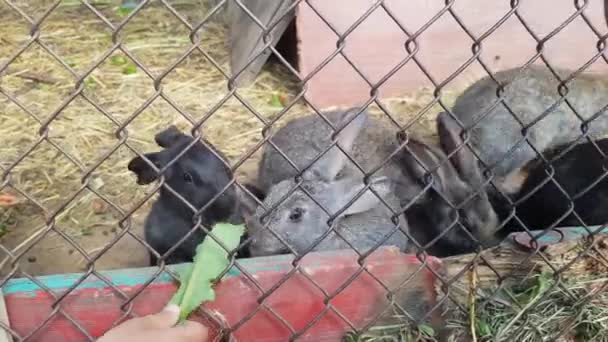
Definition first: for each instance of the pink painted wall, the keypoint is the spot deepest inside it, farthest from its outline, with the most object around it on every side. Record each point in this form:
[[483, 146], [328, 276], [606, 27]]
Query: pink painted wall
[[377, 45]]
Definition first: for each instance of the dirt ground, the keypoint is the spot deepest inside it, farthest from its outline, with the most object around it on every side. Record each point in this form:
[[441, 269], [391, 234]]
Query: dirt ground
[[75, 170]]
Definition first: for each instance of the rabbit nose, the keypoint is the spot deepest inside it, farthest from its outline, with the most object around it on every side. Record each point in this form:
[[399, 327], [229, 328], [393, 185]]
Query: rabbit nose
[[255, 248]]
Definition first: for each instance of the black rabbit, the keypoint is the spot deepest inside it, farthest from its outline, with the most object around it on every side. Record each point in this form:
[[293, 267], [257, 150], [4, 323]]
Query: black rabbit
[[197, 176], [575, 193]]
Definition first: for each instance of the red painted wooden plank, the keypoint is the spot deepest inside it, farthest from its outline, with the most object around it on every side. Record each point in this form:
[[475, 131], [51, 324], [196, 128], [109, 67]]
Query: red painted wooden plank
[[297, 300], [377, 45]]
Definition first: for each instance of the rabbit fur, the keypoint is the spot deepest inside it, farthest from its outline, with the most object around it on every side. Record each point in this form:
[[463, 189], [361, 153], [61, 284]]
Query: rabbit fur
[[298, 222], [197, 176], [454, 194], [529, 93], [578, 182]]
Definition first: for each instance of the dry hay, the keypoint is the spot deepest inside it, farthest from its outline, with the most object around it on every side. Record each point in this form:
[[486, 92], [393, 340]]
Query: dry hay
[[539, 308], [41, 84]]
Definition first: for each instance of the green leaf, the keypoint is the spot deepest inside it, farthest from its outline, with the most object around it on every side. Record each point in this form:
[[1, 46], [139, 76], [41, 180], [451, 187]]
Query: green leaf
[[544, 281], [535, 288], [210, 261], [275, 101], [483, 329], [426, 330], [3, 229], [89, 82], [184, 277], [124, 11], [129, 69], [118, 60]]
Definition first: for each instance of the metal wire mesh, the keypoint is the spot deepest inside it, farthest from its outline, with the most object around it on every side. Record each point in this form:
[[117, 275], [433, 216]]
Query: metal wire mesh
[[458, 225]]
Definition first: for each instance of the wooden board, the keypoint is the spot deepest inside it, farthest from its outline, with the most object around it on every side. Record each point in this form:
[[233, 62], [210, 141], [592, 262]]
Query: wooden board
[[246, 39], [95, 306]]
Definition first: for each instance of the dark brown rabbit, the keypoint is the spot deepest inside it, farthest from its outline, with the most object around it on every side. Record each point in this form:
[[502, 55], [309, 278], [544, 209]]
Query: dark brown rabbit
[[454, 214]]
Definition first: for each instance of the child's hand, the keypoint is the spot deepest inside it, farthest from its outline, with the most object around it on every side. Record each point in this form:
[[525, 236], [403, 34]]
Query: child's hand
[[158, 327]]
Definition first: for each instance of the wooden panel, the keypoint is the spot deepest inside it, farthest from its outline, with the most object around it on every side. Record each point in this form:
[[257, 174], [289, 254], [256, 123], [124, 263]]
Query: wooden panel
[[377, 45], [246, 39], [95, 306]]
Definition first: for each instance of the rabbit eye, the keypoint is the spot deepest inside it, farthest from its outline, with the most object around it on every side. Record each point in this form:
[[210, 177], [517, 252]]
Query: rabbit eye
[[188, 177], [296, 214]]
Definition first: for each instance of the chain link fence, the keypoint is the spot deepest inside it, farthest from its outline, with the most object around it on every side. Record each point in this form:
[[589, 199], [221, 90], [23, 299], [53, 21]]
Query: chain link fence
[[451, 199]]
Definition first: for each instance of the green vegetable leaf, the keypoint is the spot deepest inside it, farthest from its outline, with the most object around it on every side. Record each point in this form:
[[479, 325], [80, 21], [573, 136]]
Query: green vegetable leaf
[[124, 11], [90, 82], [275, 101], [543, 284], [426, 330], [535, 288], [3, 229], [483, 328], [118, 60], [129, 69], [210, 261]]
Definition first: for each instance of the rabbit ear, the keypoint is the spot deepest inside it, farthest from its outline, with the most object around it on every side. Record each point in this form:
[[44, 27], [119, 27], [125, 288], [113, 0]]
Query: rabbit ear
[[170, 136], [445, 178], [426, 158], [346, 189], [143, 170], [328, 166], [417, 168], [464, 161]]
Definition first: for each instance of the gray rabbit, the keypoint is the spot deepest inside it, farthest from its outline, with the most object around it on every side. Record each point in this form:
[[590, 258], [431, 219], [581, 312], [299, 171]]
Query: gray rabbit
[[304, 138], [298, 222], [529, 94], [197, 176]]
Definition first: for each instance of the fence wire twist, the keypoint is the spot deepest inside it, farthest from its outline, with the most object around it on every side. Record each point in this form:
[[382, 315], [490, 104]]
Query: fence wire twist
[[411, 45]]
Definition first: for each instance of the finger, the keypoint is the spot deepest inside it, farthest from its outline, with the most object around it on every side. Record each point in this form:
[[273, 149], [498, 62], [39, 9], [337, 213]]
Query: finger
[[166, 318], [191, 331]]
